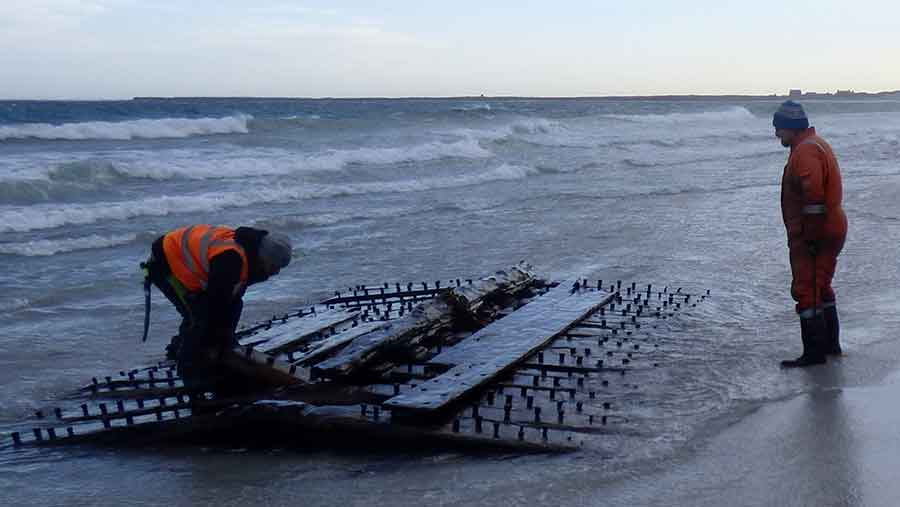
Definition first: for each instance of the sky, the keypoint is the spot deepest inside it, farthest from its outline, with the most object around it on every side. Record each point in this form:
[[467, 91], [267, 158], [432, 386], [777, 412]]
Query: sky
[[109, 49]]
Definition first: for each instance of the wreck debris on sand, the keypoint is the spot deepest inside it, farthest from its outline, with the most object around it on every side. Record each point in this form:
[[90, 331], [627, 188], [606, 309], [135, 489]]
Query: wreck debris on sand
[[509, 361]]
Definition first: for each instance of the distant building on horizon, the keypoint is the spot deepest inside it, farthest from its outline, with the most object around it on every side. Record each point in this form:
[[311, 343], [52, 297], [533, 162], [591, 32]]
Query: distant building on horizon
[[797, 93]]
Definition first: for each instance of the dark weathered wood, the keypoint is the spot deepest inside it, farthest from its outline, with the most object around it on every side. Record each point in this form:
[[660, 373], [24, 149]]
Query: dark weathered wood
[[553, 395], [319, 351], [469, 298], [286, 423], [297, 331], [264, 368], [500, 346], [424, 321]]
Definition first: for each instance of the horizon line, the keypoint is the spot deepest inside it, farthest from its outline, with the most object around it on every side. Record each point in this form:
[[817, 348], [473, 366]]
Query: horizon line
[[673, 96]]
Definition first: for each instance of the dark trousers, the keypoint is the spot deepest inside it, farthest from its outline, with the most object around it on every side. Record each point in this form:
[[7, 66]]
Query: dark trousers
[[196, 349]]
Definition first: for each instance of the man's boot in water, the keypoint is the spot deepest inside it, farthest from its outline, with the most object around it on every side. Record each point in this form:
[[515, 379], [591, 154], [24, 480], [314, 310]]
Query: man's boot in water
[[832, 331], [812, 332]]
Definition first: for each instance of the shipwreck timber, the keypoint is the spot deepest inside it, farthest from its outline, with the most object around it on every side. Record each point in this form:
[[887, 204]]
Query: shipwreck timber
[[509, 361]]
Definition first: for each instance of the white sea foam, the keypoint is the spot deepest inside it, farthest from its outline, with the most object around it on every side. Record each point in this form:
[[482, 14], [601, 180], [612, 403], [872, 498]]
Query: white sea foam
[[225, 162], [48, 216], [731, 114], [324, 219], [274, 161], [651, 154], [287, 222], [13, 304], [337, 159], [46, 247], [478, 106], [134, 129], [301, 117], [520, 127]]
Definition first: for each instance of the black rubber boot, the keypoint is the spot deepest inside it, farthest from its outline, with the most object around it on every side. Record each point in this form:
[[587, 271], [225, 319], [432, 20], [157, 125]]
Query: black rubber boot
[[812, 332], [196, 364], [173, 347], [832, 332]]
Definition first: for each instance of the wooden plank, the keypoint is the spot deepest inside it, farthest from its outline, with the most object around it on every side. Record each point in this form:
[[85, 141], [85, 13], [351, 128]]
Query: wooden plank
[[501, 345], [264, 368], [469, 297], [418, 322], [424, 320], [295, 331], [318, 351]]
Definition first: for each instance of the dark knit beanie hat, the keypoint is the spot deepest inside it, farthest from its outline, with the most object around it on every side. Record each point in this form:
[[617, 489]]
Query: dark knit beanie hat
[[275, 248], [790, 115]]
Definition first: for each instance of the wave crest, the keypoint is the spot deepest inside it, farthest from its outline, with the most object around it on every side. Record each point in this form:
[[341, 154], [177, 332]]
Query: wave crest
[[477, 106], [60, 179], [47, 216], [133, 129], [338, 159], [86, 171], [735, 113], [45, 247], [518, 128], [14, 304]]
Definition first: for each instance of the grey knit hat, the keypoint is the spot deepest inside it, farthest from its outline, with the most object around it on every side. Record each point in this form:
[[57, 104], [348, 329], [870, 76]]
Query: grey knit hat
[[790, 115], [275, 249]]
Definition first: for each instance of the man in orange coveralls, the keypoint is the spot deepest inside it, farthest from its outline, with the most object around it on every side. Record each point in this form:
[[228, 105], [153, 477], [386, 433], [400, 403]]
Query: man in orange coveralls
[[816, 229]]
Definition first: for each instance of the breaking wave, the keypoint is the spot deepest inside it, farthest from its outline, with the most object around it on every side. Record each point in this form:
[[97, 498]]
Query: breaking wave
[[337, 159], [14, 304], [133, 129], [87, 171], [677, 158], [520, 127], [32, 191], [736, 113], [45, 247], [325, 219], [479, 106], [187, 164], [48, 216]]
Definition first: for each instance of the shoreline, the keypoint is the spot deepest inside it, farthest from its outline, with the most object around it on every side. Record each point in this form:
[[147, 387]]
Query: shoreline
[[834, 444]]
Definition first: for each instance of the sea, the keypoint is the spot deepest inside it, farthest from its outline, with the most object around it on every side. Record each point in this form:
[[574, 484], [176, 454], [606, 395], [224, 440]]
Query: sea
[[677, 192]]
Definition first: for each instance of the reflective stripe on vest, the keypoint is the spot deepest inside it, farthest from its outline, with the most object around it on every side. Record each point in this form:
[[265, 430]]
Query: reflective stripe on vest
[[809, 313], [814, 209], [810, 140], [183, 258]]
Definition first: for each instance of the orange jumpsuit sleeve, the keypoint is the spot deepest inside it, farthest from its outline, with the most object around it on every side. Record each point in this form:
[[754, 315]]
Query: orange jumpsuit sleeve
[[809, 170]]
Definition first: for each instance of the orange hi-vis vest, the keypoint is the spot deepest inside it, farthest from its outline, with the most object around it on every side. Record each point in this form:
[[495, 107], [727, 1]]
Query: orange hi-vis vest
[[189, 250]]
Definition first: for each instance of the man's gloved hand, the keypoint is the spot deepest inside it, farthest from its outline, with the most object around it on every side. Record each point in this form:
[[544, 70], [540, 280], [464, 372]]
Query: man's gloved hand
[[812, 247]]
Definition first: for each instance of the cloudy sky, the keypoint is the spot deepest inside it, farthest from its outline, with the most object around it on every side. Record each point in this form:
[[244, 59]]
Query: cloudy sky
[[123, 48]]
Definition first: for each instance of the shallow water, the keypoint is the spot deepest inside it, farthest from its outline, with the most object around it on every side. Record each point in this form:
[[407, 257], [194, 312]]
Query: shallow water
[[677, 193]]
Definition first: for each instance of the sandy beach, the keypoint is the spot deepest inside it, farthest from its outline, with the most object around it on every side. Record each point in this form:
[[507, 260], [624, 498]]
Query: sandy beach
[[837, 445]]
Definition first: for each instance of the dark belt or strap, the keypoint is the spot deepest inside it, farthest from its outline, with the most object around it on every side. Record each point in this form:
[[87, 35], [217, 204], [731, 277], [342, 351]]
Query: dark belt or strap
[[157, 271], [145, 267]]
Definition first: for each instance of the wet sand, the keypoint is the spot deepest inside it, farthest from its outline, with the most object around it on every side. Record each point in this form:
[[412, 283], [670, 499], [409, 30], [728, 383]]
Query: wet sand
[[837, 445]]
